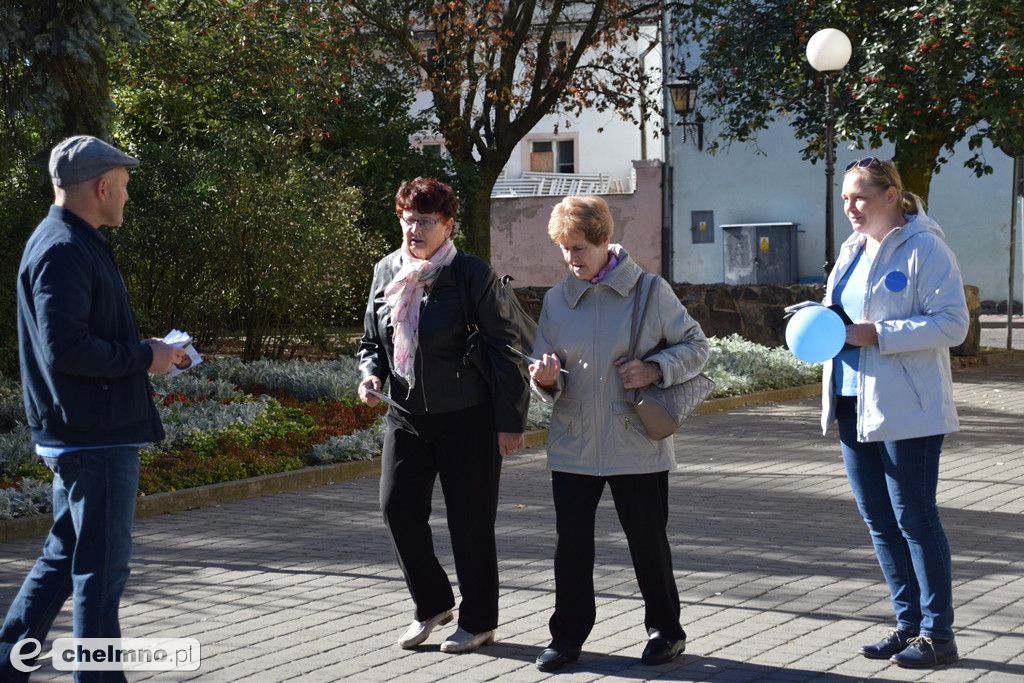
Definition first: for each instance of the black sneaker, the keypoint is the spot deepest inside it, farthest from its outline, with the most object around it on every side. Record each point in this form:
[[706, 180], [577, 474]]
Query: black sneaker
[[923, 652], [895, 641]]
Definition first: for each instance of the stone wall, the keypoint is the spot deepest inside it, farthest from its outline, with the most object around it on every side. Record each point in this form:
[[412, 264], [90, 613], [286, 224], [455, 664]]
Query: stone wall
[[755, 312]]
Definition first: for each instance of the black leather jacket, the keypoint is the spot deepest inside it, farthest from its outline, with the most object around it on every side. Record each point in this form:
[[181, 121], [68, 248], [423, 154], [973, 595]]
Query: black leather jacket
[[443, 382]]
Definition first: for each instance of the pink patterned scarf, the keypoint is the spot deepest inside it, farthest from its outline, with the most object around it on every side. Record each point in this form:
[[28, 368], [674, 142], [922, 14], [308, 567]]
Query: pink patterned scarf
[[404, 294]]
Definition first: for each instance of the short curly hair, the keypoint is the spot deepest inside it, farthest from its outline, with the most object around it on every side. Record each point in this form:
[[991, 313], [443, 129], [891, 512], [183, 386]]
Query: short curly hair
[[585, 215], [426, 195]]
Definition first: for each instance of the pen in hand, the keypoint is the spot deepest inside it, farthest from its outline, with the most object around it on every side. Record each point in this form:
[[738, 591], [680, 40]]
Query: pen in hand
[[530, 358]]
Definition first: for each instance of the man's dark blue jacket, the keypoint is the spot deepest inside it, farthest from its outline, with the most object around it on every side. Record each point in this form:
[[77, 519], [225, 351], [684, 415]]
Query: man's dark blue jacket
[[83, 367]]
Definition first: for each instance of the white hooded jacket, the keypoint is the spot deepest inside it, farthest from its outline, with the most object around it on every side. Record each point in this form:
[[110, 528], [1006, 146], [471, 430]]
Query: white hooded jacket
[[915, 296]]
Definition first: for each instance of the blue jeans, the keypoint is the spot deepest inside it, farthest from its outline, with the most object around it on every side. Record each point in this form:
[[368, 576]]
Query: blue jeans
[[894, 483], [85, 555]]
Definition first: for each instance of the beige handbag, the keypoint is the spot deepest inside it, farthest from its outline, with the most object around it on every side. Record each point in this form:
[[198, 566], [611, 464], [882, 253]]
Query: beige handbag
[[663, 410]]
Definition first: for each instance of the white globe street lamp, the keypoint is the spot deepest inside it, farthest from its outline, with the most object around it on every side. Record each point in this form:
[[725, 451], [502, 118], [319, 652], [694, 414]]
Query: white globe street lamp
[[828, 51]]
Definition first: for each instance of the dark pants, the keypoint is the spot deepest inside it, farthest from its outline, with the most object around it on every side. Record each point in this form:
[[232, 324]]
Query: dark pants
[[641, 501], [461, 447]]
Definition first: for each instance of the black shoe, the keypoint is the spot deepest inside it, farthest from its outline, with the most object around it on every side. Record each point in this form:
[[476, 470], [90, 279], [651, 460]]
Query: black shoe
[[924, 652], [895, 641], [661, 650], [554, 658]]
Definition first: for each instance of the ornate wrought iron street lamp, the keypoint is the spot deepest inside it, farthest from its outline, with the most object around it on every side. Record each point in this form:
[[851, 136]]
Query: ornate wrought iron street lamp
[[684, 101]]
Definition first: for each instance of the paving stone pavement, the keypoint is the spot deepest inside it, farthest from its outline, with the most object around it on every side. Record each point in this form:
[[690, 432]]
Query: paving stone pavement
[[774, 565]]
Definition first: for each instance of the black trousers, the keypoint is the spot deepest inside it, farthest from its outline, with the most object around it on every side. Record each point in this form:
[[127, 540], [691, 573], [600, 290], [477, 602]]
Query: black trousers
[[641, 501], [461, 448]]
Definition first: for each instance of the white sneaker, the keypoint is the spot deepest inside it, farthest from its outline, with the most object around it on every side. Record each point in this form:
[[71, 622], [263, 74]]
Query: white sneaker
[[419, 630], [464, 641]]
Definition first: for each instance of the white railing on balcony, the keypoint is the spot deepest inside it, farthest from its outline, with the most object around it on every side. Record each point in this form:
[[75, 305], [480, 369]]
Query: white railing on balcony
[[534, 184]]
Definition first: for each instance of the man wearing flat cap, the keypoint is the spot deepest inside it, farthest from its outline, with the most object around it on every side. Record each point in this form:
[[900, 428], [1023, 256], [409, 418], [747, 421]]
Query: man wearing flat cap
[[88, 400]]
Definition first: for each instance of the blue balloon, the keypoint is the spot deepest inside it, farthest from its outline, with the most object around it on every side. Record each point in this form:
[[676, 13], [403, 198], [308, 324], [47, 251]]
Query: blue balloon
[[815, 334]]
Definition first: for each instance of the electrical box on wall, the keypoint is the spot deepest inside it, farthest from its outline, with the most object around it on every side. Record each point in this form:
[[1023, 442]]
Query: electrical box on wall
[[702, 226], [760, 253]]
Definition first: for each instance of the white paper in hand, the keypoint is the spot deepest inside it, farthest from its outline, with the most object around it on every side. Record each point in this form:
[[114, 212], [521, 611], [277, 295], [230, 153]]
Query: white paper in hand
[[184, 341]]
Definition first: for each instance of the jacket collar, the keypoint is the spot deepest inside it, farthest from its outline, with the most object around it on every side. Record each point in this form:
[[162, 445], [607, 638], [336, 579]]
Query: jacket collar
[[76, 223], [622, 279]]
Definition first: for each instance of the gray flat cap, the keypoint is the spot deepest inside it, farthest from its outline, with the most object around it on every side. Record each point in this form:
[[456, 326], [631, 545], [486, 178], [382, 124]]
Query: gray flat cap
[[84, 157]]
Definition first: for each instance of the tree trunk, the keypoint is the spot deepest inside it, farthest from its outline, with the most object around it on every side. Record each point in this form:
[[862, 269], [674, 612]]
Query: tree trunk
[[476, 220], [916, 163], [252, 349]]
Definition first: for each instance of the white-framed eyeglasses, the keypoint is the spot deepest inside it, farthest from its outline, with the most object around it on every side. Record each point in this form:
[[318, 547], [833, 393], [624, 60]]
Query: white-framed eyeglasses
[[423, 223]]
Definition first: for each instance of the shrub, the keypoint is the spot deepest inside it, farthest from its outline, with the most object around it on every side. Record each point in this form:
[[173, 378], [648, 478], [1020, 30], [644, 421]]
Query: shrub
[[539, 416], [334, 380], [17, 454], [361, 445], [30, 497], [274, 257], [185, 423], [25, 192], [12, 406], [282, 436], [228, 420], [197, 385], [740, 367]]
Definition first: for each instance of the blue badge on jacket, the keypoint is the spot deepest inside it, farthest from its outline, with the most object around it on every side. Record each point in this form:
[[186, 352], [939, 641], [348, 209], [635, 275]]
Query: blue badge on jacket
[[895, 281]]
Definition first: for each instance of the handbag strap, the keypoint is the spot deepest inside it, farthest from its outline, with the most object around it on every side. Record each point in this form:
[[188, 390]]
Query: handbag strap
[[634, 333]]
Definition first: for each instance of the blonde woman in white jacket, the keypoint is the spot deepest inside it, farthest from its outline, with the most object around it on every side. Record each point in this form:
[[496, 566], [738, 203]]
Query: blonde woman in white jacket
[[891, 393], [595, 437]]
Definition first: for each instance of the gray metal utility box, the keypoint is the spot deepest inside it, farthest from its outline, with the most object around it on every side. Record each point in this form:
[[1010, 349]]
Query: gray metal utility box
[[760, 253]]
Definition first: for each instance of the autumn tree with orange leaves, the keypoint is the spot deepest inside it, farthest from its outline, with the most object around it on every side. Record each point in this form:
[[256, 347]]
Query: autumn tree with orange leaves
[[494, 70]]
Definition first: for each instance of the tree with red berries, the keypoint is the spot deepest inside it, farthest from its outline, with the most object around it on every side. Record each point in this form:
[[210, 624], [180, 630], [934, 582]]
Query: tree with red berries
[[922, 76]]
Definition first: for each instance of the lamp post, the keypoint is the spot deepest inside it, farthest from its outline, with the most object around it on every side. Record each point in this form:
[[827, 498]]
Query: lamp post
[[1013, 145], [683, 96], [828, 51]]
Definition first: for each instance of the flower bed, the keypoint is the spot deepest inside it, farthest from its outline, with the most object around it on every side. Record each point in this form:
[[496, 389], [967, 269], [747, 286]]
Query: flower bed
[[227, 420]]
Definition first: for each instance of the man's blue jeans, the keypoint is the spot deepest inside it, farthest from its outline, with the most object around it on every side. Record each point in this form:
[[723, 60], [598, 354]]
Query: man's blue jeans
[[86, 554], [894, 483]]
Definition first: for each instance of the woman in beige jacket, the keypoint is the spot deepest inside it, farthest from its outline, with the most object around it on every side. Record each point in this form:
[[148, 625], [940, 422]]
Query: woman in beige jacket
[[596, 437]]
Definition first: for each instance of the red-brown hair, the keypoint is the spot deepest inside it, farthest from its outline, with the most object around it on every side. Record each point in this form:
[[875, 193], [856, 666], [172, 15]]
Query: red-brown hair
[[426, 195]]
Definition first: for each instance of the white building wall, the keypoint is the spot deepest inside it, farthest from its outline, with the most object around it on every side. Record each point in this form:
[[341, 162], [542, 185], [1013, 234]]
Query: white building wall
[[605, 142], [741, 186]]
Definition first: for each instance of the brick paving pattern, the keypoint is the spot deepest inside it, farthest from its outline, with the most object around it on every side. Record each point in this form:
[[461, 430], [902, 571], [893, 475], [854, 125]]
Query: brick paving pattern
[[774, 565]]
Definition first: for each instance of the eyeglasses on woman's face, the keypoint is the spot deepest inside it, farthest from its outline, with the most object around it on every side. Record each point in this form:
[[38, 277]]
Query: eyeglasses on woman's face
[[867, 161], [422, 223]]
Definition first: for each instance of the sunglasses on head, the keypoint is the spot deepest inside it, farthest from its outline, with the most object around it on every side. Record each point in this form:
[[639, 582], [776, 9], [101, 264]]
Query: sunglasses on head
[[867, 161]]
